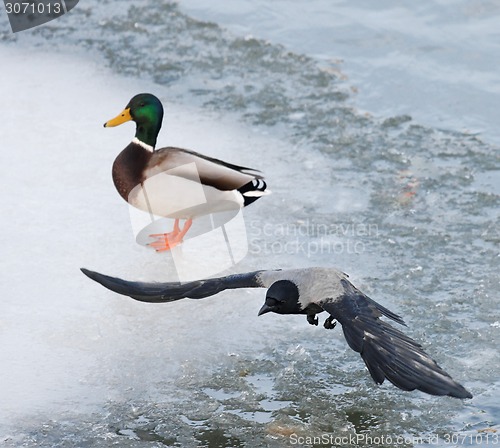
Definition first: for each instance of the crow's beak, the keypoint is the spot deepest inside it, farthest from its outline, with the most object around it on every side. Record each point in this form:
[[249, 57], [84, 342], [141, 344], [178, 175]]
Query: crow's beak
[[265, 309]]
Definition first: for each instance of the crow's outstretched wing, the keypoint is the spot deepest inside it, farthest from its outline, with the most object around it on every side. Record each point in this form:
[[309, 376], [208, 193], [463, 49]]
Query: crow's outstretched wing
[[170, 292], [386, 351]]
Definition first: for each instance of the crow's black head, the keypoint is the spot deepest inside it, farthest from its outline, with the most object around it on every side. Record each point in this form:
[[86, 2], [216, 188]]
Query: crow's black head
[[282, 298]]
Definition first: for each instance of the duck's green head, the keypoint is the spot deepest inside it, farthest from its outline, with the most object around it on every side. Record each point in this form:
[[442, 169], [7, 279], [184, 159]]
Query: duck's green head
[[147, 112]]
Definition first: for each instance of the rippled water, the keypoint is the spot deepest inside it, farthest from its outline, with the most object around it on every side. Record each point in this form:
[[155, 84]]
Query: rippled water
[[432, 60], [409, 210]]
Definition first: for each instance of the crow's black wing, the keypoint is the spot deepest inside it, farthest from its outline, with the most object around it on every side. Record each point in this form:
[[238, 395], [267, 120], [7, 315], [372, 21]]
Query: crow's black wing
[[386, 351], [170, 292]]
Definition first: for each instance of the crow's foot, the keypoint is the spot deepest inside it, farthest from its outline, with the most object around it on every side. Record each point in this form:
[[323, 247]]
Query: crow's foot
[[330, 323], [312, 319]]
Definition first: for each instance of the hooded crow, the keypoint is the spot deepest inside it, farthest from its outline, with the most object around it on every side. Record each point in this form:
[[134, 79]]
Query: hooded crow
[[387, 352]]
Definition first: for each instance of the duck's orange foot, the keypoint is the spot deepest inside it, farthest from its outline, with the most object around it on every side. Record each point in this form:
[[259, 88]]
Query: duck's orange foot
[[167, 241], [164, 241]]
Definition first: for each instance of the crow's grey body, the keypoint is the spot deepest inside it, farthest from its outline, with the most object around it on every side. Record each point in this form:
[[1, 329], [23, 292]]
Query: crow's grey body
[[387, 352]]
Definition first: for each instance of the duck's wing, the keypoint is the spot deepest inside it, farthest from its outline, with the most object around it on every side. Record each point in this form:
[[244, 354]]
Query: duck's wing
[[210, 171], [386, 351], [170, 291]]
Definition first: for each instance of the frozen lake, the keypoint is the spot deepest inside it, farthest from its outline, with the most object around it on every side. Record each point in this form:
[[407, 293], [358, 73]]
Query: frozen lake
[[380, 165]]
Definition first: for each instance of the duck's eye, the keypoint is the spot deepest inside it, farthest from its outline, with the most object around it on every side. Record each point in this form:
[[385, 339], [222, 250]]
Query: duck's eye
[[142, 105]]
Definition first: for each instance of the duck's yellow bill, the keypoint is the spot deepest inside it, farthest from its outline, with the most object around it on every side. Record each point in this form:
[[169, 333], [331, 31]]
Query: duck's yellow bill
[[122, 117]]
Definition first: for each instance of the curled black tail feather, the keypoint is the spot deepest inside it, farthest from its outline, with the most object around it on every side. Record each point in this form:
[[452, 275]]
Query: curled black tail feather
[[253, 190]]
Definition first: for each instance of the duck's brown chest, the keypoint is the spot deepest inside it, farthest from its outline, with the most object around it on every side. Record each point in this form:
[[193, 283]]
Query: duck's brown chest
[[128, 169]]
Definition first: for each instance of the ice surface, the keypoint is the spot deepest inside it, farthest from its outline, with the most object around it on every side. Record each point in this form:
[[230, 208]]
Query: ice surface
[[60, 334]]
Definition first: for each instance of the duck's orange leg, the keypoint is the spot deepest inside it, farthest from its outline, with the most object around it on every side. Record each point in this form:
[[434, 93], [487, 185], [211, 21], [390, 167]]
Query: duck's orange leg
[[167, 241]]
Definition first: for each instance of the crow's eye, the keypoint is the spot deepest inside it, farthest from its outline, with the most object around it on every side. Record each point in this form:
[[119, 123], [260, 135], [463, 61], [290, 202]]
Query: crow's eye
[[271, 301]]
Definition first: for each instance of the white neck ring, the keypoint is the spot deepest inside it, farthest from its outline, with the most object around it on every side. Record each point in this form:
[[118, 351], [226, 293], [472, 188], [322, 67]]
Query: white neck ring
[[143, 145]]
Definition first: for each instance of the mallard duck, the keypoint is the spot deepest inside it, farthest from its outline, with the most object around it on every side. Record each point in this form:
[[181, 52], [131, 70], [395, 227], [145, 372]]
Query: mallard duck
[[173, 182]]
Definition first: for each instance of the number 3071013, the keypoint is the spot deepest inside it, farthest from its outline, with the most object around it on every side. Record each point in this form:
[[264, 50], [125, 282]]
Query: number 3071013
[[33, 7]]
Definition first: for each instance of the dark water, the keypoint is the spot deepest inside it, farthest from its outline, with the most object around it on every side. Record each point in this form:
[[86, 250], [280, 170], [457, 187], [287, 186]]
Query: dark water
[[432, 60], [409, 211]]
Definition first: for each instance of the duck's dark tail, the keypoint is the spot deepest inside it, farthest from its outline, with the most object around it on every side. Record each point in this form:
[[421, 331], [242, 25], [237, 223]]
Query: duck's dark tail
[[253, 190]]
